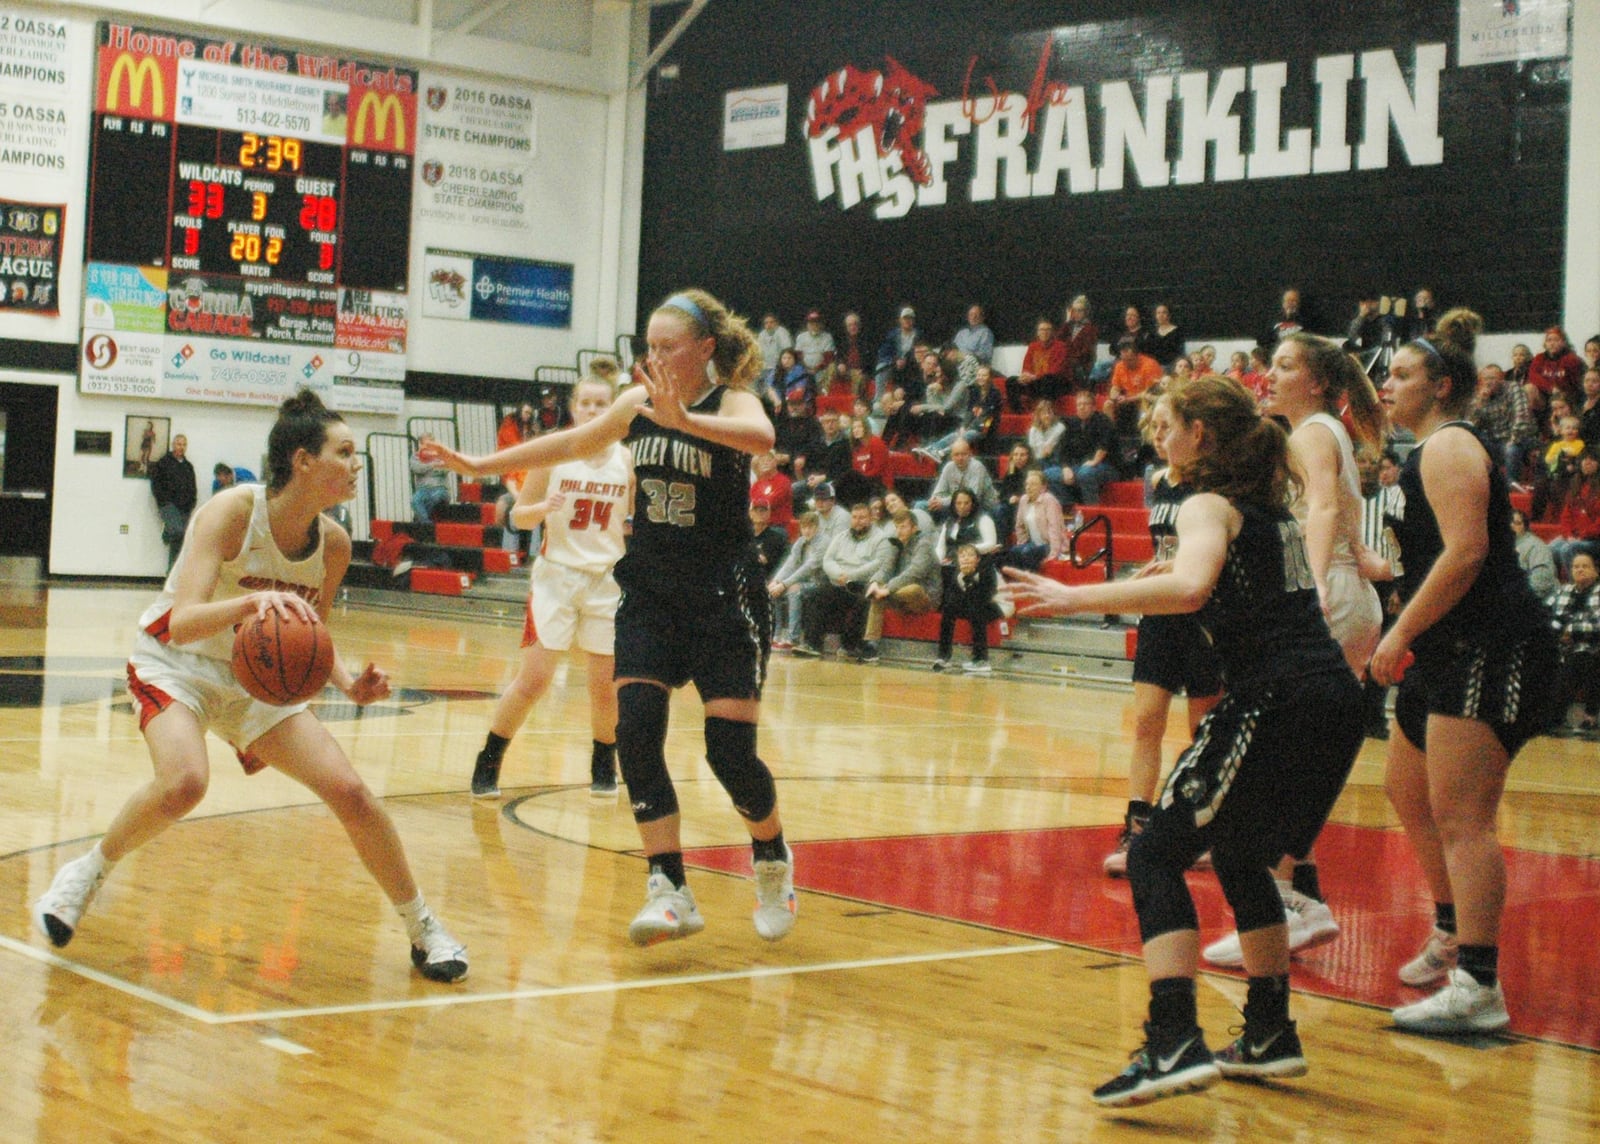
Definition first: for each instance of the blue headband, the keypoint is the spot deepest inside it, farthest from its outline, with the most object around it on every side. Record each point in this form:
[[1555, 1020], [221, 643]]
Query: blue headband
[[688, 306], [1429, 346]]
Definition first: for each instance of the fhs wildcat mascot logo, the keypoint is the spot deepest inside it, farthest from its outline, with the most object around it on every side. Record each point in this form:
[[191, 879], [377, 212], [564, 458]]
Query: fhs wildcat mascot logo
[[893, 102]]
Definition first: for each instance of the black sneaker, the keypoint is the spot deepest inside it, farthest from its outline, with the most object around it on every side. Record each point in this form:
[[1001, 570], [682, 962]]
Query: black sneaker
[[485, 777], [1263, 1053], [868, 653], [1184, 1066]]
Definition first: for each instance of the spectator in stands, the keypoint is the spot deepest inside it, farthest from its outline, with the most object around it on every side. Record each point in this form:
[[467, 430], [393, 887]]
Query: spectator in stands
[[1370, 329], [971, 409], [943, 398], [1182, 370], [1044, 434], [769, 543], [1580, 514], [790, 375], [1133, 327], [173, 484], [869, 459], [1204, 361], [1166, 341], [1424, 315], [1131, 378], [975, 338], [1083, 340], [894, 503], [1521, 362], [856, 557], [794, 582], [1556, 370], [852, 359], [830, 459], [897, 364], [1045, 371], [1039, 533], [1291, 319], [1591, 353], [430, 484], [1535, 556], [1238, 366], [1088, 444], [553, 413], [1575, 615], [798, 434], [969, 594], [1589, 410], [770, 485], [899, 424], [519, 425], [832, 518], [1557, 409], [773, 339], [1560, 468], [1010, 487], [911, 586], [966, 524], [963, 472], [815, 346], [225, 476], [1501, 413]]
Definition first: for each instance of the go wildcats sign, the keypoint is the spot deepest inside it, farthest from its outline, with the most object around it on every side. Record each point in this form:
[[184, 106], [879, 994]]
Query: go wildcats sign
[[883, 137]]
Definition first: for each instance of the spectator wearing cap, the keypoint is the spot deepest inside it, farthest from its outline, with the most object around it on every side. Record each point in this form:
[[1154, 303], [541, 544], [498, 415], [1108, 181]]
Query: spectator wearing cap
[[773, 487], [815, 346], [795, 580], [798, 435], [769, 544], [773, 339], [897, 364], [975, 338], [553, 413], [831, 518]]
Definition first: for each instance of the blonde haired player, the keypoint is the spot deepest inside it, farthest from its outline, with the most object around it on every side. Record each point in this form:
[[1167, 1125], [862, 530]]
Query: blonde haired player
[[572, 597]]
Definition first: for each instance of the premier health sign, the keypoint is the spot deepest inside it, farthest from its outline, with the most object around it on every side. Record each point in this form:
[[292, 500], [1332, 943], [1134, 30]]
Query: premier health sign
[[488, 288]]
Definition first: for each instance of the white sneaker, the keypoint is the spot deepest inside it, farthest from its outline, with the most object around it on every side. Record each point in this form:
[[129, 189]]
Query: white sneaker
[[1462, 1006], [1433, 964], [65, 902], [1311, 924], [977, 667], [668, 913], [435, 953], [776, 904]]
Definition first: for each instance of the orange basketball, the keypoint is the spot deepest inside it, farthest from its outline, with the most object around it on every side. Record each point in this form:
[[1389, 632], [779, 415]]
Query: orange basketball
[[282, 660]]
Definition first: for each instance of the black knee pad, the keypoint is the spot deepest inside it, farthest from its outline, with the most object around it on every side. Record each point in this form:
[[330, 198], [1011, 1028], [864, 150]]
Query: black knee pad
[[1251, 892], [641, 750], [1160, 895], [731, 751]]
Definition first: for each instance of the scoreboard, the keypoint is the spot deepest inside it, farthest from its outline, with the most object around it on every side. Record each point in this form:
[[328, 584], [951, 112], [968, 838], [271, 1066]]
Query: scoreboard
[[259, 198]]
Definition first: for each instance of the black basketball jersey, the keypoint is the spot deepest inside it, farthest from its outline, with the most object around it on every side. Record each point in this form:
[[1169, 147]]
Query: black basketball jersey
[[1263, 616], [691, 509], [1165, 501], [1500, 608]]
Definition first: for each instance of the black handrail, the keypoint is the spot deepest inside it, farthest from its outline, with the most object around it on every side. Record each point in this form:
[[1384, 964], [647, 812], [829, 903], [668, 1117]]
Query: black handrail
[[1103, 554]]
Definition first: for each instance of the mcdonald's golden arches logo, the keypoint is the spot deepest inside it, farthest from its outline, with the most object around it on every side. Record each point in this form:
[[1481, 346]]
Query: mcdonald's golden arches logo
[[136, 85], [382, 120]]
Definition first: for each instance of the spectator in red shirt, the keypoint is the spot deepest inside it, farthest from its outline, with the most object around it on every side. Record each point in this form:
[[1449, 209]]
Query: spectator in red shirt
[[1556, 370], [773, 487], [1082, 338], [869, 463], [1045, 369]]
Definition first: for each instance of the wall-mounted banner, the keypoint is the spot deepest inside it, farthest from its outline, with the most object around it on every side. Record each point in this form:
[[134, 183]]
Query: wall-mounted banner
[[488, 288], [30, 256], [755, 117], [473, 151], [1503, 31], [129, 299], [33, 93]]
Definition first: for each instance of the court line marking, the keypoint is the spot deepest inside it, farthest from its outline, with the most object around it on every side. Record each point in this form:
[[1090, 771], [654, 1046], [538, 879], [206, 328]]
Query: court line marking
[[446, 1000]]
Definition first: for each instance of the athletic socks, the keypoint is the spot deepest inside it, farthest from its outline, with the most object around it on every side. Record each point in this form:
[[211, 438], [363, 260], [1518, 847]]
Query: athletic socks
[[1266, 1002], [1172, 1004], [494, 748], [1482, 962], [413, 912], [1444, 916], [1304, 880], [602, 758], [670, 864], [772, 850]]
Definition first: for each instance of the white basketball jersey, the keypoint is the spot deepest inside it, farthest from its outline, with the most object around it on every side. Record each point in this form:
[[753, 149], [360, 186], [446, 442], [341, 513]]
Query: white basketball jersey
[[259, 567], [586, 532], [1348, 532]]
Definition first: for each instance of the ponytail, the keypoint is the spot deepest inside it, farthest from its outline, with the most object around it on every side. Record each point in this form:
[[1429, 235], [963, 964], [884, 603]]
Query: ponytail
[[1245, 456], [1344, 382]]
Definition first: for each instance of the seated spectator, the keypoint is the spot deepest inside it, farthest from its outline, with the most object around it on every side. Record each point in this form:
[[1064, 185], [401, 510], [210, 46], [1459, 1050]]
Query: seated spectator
[[815, 346], [1501, 413], [1534, 555], [898, 423], [869, 461], [1044, 435], [789, 375], [1131, 378], [969, 594], [1088, 445], [855, 558], [880, 517], [1370, 329], [1238, 366], [1575, 615], [1255, 376], [773, 339], [974, 416], [963, 472], [1591, 353], [1133, 327], [520, 424], [1580, 514], [852, 362], [793, 583], [897, 364], [1556, 370], [1011, 486], [829, 459], [1045, 372], [1291, 319], [911, 586], [975, 338], [1166, 341], [1040, 532], [769, 543], [832, 517], [1203, 361], [1560, 468], [797, 435], [430, 484], [1521, 363], [773, 487], [965, 525], [943, 398], [1589, 410], [1082, 338], [894, 503]]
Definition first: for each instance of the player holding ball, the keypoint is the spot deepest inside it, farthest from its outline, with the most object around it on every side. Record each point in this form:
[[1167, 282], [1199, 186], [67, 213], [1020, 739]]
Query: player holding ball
[[252, 550]]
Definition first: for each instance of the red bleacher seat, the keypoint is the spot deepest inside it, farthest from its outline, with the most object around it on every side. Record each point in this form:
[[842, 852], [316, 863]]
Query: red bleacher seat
[[500, 560], [1545, 532], [1522, 500], [470, 492], [486, 514], [925, 628], [1066, 572], [908, 465], [839, 402], [382, 529], [1132, 547], [440, 581], [459, 535], [1014, 424], [1130, 642], [1128, 494], [1123, 518]]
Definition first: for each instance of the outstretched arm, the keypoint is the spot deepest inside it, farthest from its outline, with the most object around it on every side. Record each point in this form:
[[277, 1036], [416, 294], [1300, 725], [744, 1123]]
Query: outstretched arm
[[550, 449]]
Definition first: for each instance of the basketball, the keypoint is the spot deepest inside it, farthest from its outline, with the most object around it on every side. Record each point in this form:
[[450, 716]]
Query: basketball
[[282, 660]]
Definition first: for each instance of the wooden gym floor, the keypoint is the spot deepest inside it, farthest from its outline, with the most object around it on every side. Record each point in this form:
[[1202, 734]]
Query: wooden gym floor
[[960, 970]]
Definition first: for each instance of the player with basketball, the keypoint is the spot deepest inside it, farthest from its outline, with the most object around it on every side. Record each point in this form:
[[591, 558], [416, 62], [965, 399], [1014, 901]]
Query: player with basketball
[[1266, 764], [572, 596], [250, 551], [692, 610]]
